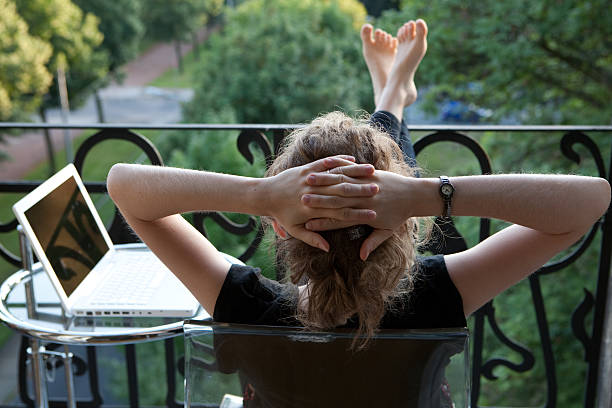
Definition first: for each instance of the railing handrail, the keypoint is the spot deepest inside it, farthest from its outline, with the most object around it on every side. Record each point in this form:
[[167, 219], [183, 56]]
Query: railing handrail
[[280, 126]]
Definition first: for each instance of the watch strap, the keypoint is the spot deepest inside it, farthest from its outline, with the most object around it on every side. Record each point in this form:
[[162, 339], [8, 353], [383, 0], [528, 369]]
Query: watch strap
[[446, 196]]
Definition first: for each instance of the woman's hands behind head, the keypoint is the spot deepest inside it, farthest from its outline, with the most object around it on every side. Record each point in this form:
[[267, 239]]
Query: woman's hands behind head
[[287, 196], [391, 204]]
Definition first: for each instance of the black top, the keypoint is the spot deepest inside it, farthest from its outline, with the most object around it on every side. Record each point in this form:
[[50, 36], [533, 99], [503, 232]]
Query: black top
[[247, 297]]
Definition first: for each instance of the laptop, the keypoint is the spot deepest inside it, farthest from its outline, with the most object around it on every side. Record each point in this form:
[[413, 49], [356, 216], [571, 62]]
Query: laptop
[[92, 276]]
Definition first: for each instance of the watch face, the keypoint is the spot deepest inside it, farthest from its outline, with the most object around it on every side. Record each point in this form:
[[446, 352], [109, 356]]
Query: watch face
[[446, 189]]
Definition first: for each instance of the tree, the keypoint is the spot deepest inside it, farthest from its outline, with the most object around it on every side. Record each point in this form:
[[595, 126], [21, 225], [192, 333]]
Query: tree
[[376, 7], [24, 77], [74, 38], [173, 20], [283, 61], [536, 61], [121, 26]]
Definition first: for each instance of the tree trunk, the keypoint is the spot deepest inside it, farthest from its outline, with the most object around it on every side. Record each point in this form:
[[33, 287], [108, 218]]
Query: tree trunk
[[179, 56], [48, 142], [99, 106], [195, 46]]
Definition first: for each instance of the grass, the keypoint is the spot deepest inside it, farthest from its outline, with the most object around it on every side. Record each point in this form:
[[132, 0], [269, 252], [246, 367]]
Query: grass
[[99, 160], [172, 78]]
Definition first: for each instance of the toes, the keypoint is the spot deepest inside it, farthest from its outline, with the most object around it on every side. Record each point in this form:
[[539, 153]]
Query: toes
[[421, 28], [411, 30], [406, 32], [388, 39], [401, 33], [379, 35], [366, 33]]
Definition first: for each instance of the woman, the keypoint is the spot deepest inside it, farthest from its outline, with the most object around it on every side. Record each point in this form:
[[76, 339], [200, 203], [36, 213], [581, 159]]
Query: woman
[[360, 269]]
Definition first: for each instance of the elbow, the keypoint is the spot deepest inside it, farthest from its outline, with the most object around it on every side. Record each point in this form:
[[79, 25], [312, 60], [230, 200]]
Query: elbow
[[597, 203], [116, 182], [603, 197]]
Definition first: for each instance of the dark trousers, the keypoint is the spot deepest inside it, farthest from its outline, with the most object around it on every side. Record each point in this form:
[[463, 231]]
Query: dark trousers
[[387, 122]]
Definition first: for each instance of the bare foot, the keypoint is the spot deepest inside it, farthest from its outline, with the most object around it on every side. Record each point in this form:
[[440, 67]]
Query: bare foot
[[400, 90], [379, 53]]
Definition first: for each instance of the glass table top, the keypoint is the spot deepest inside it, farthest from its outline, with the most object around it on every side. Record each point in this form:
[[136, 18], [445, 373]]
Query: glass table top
[[47, 321]]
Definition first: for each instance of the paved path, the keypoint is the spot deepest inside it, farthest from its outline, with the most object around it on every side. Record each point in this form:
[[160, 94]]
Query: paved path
[[131, 101]]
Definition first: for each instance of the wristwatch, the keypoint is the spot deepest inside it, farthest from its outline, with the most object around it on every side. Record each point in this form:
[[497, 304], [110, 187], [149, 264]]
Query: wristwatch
[[446, 192]]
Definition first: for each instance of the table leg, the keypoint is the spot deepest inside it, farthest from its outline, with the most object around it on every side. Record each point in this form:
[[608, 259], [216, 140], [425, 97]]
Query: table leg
[[38, 374], [70, 397]]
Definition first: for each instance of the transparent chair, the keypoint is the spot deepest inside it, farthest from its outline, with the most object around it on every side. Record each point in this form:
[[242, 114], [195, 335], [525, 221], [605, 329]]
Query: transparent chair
[[228, 365]]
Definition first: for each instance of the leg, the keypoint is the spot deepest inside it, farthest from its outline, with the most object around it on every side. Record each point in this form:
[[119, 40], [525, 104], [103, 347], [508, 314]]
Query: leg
[[398, 131], [379, 52], [400, 90]]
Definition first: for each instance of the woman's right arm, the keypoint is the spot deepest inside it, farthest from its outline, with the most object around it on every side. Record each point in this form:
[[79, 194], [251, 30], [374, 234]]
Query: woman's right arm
[[151, 199]]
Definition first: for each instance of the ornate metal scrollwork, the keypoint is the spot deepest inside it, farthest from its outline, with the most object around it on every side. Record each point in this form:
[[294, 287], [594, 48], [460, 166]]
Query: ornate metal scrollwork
[[575, 137], [578, 319], [4, 252], [549, 357], [245, 139], [488, 311], [568, 141], [232, 227], [9, 256], [570, 258], [119, 134], [526, 354], [463, 140], [248, 136], [591, 344], [9, 226], [118, 230]]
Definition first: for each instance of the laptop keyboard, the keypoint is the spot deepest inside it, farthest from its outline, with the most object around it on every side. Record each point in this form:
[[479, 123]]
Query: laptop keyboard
[[133, 284]]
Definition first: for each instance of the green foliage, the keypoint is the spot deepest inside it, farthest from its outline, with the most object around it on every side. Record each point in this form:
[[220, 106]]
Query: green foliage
[[74, 37], [174, 78], [121, 26], [538, 62], [282, 61], [24, 77], [167, 20]]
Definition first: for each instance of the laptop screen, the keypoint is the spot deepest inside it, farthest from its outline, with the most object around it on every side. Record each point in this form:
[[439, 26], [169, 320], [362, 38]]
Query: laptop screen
[[68, 234]]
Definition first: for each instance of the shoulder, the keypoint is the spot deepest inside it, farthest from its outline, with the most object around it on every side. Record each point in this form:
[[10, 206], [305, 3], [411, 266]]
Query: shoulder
[[430, 274], [434, 301], [248, 297]]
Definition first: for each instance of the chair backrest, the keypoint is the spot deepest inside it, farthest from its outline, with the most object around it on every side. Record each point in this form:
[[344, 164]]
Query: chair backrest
[[290, 367]]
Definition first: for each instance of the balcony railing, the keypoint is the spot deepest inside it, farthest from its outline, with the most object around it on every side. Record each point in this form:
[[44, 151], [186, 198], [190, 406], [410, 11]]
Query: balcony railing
[[590, 322]]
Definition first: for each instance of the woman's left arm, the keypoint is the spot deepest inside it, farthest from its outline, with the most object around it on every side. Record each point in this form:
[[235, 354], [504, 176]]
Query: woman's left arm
[[550, 213]]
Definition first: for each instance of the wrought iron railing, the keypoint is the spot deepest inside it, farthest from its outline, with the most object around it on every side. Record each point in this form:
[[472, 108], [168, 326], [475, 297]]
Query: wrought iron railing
[[267, 139]]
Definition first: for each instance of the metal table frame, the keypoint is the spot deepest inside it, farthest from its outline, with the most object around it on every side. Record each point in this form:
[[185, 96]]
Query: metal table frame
[[39, 334]]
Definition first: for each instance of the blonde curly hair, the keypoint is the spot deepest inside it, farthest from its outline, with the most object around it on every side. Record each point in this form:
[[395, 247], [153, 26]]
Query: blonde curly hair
[[339, 285]]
